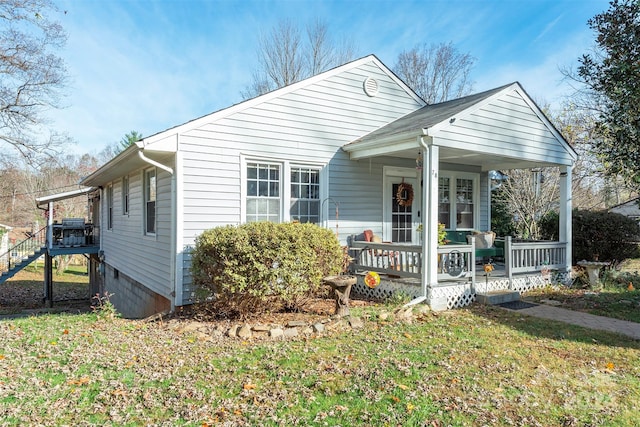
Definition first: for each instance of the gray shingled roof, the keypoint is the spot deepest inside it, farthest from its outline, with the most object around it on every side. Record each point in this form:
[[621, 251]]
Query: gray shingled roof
[[429, 115]]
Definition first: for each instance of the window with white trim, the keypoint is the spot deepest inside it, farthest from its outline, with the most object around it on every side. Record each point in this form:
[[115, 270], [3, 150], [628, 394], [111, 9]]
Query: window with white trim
[[150, 201], [263, 192], [109, 207], [457, 201], [125, 195], [305, 194]]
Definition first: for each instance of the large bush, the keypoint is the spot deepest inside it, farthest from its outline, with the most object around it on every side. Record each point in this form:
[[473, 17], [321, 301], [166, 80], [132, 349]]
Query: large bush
[[263, 266], [609, 236]]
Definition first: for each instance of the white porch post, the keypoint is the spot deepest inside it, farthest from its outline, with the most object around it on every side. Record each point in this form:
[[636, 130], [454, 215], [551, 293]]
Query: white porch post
[[431, 158], [50, 226], [565, 212]]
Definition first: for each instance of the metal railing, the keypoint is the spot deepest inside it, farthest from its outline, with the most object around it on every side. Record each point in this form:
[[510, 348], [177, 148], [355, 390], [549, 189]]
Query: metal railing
[[23, 250]]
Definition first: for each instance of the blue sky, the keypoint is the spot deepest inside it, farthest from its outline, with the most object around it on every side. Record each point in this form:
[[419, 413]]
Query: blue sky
[[149, 65]]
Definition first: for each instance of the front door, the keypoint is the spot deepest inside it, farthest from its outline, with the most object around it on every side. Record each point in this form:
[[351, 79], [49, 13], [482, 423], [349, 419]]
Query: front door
[[402, 209]]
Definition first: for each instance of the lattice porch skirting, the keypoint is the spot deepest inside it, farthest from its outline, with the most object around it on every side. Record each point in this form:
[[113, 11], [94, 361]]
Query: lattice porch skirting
[[457, 294]]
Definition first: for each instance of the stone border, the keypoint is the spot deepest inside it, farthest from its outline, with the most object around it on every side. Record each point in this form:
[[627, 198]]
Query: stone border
[[208, 331]]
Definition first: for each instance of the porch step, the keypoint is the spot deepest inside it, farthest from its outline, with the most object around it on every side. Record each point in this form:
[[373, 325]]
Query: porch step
[[497, 297]]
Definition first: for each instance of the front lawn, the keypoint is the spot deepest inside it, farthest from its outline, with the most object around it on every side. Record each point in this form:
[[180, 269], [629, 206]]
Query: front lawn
[[475, 366], [618, 297]]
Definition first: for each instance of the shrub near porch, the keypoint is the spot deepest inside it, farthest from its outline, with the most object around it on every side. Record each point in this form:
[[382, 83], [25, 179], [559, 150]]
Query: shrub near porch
[[263, 266]]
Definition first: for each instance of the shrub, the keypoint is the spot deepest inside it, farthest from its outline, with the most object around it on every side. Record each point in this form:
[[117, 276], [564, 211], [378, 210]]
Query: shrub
[[263, 266], [609, 236]]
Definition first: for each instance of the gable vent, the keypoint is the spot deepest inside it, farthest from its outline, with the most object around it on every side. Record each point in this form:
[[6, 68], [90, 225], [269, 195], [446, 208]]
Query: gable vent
[[371, 86]]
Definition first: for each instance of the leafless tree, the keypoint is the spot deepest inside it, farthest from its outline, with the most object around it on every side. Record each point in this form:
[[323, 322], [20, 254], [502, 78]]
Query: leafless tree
[[31, 75], [436, 72], [530, 194], [284, 57]]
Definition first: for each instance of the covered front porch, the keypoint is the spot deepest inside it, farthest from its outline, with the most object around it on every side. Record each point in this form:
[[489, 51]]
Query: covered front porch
[[461, 276], [439, 164]]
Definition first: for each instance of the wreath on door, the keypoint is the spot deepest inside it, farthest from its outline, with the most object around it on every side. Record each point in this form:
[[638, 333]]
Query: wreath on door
[[404, 195]]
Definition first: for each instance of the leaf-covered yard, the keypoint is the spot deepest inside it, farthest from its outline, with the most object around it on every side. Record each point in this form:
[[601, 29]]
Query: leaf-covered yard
[[476, 366]]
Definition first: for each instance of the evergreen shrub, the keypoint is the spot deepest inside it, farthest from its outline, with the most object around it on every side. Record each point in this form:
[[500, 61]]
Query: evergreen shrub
[[264, 266], [609, 236]]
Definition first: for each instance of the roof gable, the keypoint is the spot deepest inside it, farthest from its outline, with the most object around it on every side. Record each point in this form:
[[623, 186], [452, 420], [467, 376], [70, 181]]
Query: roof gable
[[500, 126], [166, 140]]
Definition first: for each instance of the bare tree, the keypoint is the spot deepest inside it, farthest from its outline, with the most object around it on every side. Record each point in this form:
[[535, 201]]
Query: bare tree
[[437, 72], [31, 74], [529, 195], [284, 57]]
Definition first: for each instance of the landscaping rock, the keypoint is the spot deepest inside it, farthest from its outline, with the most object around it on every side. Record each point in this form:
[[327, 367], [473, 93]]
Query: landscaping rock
[[295, 323], [356, 322], [318, 327], [261, 328], [290, 332], [276, 333], [244, 331], [233, 331], [308, 330]]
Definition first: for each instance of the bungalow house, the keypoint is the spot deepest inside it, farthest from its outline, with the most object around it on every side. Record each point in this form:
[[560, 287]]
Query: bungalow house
[[354, 138]]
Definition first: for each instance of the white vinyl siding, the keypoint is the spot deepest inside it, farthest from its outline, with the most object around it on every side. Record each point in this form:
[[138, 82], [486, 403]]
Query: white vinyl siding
[[305, 127], [506, 126], [146, 259]]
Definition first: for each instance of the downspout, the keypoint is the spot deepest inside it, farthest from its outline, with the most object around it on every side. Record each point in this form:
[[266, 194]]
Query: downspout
[[425, 229]]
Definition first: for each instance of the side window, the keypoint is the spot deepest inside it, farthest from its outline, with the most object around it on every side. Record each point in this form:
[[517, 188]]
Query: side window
[[125, 195], [150, 201], [305, 194], [110, 207], [263, 192]]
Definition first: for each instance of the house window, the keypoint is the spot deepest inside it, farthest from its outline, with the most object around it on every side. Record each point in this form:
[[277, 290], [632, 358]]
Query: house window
[[305, 194], [457, 204], [464, 203], [125, 195], [109, 207], [444, 207], [263, 192], [150, 201]]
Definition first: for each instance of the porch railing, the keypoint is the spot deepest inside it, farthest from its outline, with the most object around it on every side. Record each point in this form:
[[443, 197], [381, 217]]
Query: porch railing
[[394, 259], [533, 256], [456, 262]]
